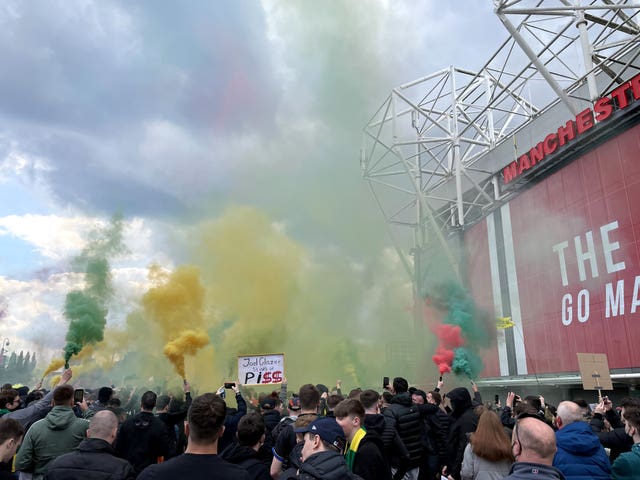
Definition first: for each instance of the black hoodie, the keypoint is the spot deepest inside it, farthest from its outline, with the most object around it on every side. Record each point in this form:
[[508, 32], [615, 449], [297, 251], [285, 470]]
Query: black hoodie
[[247, 458], [142, 439], [463, 422]]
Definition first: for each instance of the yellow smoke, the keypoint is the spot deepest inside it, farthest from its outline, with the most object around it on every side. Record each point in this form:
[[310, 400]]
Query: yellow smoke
[[252, 289], [176, 305], [55, 380], [53, 366], [188, 343]]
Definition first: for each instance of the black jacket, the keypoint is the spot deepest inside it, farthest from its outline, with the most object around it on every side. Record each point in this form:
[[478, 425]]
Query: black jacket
[[617, 439], [247, 458], [326, 465], [173, 420], [93, 460], [463, 422], [403, 415], [142, 439], [271, 420], [436, 429], [370, 462], [231, 422]]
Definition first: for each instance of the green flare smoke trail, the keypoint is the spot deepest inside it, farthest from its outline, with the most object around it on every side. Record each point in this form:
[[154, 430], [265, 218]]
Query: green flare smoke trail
[[86, 309]]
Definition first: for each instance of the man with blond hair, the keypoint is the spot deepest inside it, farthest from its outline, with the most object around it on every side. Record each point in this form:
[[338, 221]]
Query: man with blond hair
[[580, 454], [533, 445]]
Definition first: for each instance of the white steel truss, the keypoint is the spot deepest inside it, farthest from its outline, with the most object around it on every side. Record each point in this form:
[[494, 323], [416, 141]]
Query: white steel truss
[[424, 151]]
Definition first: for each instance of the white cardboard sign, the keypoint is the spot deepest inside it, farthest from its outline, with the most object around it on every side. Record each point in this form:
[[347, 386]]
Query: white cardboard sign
[[261, 369]]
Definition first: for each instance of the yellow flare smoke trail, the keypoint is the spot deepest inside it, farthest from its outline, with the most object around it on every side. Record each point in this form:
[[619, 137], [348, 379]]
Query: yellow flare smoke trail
[[53, 366], [188, 343]]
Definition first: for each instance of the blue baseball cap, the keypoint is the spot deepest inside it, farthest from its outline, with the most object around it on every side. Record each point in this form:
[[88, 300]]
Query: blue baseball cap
[[328, 430]]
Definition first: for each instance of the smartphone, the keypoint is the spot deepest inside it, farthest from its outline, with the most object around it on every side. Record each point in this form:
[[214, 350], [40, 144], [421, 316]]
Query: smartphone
[[385, 382], [229, 384], [78, 395], [497, 399]]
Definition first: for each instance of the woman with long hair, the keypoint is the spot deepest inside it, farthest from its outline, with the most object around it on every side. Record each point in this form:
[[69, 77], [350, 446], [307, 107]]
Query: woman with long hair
[[488, 455]]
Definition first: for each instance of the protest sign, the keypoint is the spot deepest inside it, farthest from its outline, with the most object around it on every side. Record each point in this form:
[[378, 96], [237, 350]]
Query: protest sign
[[261, 369]]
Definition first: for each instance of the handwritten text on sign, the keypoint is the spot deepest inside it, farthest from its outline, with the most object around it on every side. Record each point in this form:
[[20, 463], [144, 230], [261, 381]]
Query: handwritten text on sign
[[261, 369]]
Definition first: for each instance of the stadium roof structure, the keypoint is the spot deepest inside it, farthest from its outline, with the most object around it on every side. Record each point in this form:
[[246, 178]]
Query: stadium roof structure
[[433, 152]]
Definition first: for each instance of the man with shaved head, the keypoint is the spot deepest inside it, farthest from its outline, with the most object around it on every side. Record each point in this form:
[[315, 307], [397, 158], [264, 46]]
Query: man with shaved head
[[94, 457], [533, 444], [580, 454]]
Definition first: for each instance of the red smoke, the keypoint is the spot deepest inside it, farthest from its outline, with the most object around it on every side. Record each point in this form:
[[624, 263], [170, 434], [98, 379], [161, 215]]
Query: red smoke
[[450, 338]]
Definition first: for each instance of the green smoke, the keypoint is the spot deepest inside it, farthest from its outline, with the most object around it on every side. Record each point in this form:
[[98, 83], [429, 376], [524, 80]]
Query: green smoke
[[86, 309], [474, 324], [466, 362]]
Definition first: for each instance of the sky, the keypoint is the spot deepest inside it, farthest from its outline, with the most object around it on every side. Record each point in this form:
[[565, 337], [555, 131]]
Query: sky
[[194, 117]]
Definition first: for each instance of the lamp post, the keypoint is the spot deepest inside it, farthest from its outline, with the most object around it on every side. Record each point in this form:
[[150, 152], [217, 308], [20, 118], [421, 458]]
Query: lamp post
[[5, 343]]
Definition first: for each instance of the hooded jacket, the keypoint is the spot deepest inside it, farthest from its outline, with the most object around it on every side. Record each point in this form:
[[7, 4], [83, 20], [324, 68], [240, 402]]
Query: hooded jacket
[[142, 439], [247, 458], [56, 434], [403, 415], [580, 455], [93, 460], [463, 422], [327, 465]]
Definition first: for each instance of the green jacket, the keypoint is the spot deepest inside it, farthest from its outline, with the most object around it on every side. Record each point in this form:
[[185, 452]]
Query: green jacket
[[58, 433]]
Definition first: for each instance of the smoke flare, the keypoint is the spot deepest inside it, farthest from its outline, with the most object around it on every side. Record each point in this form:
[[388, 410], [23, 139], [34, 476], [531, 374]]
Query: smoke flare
[[188, 343], [53, 366], [86, 309]]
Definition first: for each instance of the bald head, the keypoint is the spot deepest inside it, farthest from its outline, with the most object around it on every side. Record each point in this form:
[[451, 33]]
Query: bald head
[[568, 412], [103, 425], [533, 441]]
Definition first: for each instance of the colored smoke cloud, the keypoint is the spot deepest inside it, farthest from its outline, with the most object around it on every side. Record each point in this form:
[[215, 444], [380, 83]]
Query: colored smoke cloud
[[86, 310], [176, 306], [464, 329], [187, 343]]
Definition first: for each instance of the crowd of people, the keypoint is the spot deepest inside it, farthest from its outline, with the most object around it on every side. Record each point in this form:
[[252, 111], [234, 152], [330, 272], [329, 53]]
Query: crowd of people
[[312, 433]]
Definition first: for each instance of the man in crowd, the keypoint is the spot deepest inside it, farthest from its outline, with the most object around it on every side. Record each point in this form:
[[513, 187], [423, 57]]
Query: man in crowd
[[245, 453], [322, 451], [309, 397], [58, 433], [364, 451], [173, 420], [404, 417], [37, 410], [143, 438], [627, 465], [9, 401], [104, 395], [95, 457], [616, 440], [463, 421], [10, 438], [205, 424], [580, 454], [533, 444]]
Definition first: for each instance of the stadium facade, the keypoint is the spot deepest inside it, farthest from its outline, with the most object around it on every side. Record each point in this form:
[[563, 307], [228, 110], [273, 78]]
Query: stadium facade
[[526, 174]]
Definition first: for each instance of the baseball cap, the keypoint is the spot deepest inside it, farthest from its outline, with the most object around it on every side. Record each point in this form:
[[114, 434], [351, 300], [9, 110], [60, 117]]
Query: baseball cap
[[294, 403], [268, 403], [328, 430]]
